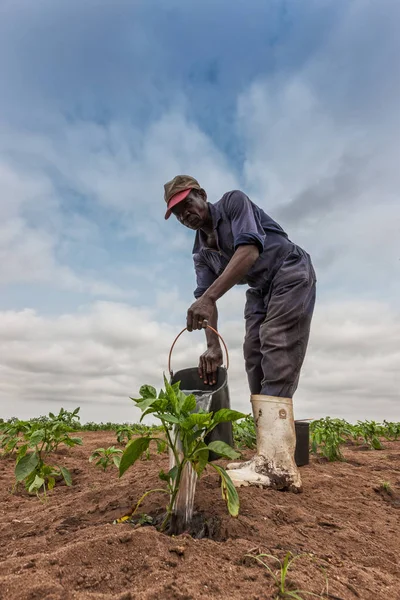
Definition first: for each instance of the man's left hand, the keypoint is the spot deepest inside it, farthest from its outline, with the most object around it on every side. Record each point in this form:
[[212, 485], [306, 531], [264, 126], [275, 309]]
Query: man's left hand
[[199, 314]]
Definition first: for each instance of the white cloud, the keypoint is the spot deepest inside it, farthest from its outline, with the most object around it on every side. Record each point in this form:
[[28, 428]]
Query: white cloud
[[98, 357], [320, 157]]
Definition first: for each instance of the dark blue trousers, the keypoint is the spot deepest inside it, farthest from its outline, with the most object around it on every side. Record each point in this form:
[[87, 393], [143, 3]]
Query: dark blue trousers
[[278, 324]]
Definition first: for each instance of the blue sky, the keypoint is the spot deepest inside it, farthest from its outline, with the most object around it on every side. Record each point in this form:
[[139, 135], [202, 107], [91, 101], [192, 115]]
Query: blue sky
[[102, 102]]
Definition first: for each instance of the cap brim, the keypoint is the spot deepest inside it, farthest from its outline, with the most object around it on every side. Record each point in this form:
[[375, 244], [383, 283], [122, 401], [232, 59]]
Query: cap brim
[[176, 198]]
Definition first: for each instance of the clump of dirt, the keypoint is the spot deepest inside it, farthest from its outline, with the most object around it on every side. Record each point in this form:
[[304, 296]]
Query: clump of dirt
[[69, 547]]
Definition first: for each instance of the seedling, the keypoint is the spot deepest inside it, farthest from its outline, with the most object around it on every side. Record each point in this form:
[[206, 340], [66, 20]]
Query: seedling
[[391, 430], [10, 437], [370, 432], [327, 435], [124, 434], [37, 442], [244, 433], [280, 575], [386, 487], [106, 457], [185, 432]]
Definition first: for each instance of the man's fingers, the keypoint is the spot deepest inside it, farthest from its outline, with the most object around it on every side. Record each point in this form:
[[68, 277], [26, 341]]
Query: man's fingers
[[195, 322], [200, 368], [211, 371], [189, 320], [205, 376]]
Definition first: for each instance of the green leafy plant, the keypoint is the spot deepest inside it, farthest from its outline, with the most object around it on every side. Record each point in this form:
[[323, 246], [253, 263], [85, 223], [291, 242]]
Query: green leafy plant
[[386, 487], [327, 435], [106, 457], [36, 443], [280, 575], [391, 430], [244, 433], [10, 436], [124, 434], [370, 432], [185, 432]]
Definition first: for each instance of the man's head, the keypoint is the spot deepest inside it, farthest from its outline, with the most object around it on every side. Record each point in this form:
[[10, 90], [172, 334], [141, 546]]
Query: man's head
[[187, 201]]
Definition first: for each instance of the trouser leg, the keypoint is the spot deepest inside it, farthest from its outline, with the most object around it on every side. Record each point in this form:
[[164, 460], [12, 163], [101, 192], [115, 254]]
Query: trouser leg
[[254, 316], [285, 331]]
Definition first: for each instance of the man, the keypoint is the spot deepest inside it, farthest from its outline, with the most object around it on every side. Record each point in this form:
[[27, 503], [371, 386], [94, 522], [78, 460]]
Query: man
[[238, 243]]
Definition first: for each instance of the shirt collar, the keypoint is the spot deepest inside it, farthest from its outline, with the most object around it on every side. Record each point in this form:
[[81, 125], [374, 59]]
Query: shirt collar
[[201, 238]]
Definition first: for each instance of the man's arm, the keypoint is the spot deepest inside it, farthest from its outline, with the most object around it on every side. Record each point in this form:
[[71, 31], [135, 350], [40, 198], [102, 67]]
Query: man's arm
[[212, 338], [212, 358], [237, 268]]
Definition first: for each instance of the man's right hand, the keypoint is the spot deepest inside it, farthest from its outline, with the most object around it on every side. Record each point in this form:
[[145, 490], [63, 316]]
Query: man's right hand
[[208, 364]]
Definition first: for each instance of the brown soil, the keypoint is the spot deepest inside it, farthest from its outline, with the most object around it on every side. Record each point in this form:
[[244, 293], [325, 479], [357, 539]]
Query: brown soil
[[68, 547]]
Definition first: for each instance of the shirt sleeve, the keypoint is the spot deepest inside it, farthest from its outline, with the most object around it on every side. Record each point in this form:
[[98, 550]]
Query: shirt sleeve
[[245, 221], [205, 276]]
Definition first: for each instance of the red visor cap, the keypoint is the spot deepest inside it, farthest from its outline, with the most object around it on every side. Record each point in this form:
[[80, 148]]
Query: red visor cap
[[175, 200]]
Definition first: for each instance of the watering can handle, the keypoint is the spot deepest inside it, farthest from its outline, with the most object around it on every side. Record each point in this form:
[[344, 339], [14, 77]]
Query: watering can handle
[[183, 330]]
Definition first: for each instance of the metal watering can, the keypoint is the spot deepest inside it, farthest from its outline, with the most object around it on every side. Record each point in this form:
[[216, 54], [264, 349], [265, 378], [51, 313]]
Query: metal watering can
[[208, 397]]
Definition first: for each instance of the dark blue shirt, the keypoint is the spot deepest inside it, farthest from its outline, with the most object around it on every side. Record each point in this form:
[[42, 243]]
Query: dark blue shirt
[[238, 221]]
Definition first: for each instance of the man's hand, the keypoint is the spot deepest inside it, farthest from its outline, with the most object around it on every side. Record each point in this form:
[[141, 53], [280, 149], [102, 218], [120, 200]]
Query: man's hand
[[200, 311], [208, 364]]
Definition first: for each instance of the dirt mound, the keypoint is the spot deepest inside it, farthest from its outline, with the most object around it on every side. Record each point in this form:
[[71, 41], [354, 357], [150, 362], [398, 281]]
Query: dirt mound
[[67, 548]]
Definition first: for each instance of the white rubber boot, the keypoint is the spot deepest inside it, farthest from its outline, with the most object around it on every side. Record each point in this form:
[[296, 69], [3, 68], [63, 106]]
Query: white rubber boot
[[273, 465]]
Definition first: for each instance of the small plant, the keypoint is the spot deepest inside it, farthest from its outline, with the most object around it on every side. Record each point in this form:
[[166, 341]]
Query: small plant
[[386, 487], [327, 435], [280, 575], [145, 519], [10, 436], [106, 457], [124, 434], [391, 430], [161, 448], [370, 432], [69, 418], [244, 433], [185, 432], [35, 444]]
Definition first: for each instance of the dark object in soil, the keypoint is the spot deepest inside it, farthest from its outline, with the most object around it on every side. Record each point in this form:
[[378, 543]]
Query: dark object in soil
[[302, 452], [200, 526], [190, 380]]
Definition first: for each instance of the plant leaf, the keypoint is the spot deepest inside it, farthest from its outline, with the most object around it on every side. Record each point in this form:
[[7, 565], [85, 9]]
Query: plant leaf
[[36, 437], [172, 397], [36, 484], [66, 475], [147, 391], [146, 403], [226, 414], [22, 451], [169, 418], [117, 460], [189, 403], [200, 419], [132, 452], [201, 459], [76, 441], [26, 466], [223, 449], [229, 492]]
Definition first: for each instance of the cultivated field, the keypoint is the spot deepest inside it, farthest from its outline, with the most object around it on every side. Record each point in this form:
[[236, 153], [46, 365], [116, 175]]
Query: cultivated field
[[344, 526]]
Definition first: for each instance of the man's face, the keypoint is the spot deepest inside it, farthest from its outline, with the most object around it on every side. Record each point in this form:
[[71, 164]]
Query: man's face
[[193, 211]]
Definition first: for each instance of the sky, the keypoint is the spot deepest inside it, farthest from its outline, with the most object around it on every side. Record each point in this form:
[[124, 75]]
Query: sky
[[102, 102]]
